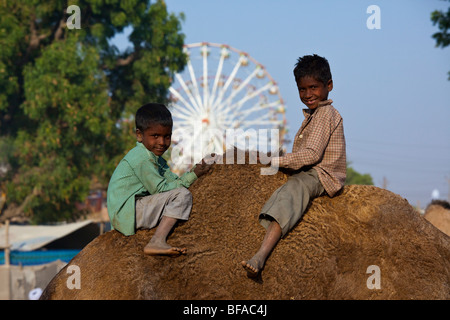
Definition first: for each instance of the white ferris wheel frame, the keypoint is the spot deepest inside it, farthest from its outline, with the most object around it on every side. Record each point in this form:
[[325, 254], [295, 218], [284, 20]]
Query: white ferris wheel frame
[[220, 101]]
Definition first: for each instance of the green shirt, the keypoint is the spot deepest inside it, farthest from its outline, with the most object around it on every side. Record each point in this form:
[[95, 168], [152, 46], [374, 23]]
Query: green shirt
[[139, 173]]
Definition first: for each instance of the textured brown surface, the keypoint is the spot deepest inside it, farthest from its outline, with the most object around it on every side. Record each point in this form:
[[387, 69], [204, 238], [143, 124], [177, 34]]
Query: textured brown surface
[[326, 256], [439, 216]]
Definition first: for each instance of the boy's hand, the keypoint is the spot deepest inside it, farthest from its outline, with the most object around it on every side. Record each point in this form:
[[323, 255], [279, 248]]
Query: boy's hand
[[204, 166]]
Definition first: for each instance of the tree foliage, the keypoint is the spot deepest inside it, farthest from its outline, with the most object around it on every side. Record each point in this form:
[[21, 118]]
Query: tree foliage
[[68, 95], [442, 19], [354, 177]]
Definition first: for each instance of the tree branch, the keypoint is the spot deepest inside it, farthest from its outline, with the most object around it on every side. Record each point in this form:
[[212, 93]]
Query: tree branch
[[35, 39], [17, 211], [126, 61], [60, 29]]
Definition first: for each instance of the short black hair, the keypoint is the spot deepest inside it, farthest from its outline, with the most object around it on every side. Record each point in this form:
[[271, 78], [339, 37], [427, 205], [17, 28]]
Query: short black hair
[[151, 114], [313, 66]]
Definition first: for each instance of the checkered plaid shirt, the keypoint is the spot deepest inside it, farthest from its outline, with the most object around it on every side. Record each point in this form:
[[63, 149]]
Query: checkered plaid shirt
[[320, 144]]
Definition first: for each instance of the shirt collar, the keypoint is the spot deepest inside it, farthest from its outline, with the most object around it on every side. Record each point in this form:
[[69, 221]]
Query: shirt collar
[[158, 159], [151, 154], [308, 112]]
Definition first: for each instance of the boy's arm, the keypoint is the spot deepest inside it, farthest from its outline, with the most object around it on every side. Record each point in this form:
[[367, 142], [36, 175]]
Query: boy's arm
[[148, 174], [312, 150], [199, 169]]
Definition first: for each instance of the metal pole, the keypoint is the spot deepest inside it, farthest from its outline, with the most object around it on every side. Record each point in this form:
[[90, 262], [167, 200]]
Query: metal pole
[[7, 251]]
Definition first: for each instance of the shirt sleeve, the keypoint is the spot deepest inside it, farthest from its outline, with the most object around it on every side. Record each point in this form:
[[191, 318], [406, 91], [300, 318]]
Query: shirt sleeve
[[147, 172], [313, 146]]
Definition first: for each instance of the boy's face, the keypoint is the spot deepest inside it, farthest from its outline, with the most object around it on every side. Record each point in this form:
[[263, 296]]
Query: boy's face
[[156, 138], [313, 91]]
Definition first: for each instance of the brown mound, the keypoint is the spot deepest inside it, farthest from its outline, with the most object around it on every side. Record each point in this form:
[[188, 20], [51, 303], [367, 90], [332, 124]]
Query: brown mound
[[438, 213], [325, 257]]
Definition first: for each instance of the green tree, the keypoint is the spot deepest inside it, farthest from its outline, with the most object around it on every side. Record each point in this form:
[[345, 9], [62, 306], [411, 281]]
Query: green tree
[[354, 177], [68, 95], [442, 19]]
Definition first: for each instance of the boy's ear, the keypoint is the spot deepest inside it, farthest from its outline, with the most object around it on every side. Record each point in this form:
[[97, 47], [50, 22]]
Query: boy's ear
[[330, 85], [138, 135]]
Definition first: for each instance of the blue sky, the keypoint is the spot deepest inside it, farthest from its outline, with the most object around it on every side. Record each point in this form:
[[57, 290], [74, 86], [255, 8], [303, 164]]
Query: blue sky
[[390, 84]]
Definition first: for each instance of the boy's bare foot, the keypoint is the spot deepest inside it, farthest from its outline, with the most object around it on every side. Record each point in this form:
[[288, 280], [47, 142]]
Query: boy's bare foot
[[253, 267], [154, 249]]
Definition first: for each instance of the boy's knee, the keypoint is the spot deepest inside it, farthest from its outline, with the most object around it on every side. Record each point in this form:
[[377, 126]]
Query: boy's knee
[[184, 194]]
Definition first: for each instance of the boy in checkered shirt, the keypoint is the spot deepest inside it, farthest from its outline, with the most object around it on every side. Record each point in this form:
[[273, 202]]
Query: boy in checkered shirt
[[317, 164]]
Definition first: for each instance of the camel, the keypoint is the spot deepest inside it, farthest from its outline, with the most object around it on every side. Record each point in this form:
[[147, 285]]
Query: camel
[[364, 243], [438, 213]]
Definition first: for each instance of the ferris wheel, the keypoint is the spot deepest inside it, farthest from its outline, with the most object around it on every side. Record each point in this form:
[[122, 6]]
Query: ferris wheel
[[222, 92]]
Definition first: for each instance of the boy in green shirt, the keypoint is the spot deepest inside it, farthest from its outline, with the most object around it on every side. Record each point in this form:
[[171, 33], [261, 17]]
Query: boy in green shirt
[[143, 192]]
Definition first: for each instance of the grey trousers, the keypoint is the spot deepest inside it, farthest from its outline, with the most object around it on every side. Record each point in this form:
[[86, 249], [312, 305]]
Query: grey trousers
[[176, 203], [289, 202]]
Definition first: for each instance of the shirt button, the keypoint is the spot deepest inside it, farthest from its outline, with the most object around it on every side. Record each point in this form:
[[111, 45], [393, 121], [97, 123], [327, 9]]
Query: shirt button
[[300, 136]]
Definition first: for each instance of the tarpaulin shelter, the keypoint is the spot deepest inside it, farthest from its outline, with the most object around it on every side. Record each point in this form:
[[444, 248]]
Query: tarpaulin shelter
[[31, 245], [32, 255]]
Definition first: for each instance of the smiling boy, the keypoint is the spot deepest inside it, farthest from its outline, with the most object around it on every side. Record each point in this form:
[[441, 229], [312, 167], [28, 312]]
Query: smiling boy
[[143, 192], [317, 164]]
